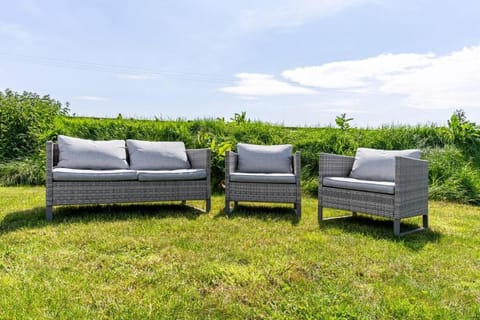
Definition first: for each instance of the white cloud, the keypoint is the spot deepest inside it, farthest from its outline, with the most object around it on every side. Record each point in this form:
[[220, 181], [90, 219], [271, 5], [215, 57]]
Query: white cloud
[[137, 76], [425, 81], [288, 13], [357, 74], [450, 81], [258, 84], [91, 98]]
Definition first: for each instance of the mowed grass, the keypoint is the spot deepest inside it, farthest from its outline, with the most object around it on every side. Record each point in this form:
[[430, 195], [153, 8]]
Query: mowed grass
[[170, 261]]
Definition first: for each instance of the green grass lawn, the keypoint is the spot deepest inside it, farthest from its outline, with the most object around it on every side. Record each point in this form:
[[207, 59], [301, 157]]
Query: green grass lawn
[[169, 261]]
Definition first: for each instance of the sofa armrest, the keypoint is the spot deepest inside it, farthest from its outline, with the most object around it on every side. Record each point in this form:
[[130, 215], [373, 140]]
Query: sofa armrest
[[333, 165], [49, 173]]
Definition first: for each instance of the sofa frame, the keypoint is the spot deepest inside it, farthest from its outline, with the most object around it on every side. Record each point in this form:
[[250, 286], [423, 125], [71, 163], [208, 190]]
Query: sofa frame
[[109, 192]]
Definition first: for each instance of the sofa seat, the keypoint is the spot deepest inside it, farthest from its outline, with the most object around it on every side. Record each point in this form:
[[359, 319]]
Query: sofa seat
[[262, 177], [178, 175], [68, 174], [386, 187]]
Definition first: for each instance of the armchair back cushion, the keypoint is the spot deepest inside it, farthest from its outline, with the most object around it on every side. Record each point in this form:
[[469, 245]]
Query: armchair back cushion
[[378, 165], [160, 155], [76, 153], [264, 159]]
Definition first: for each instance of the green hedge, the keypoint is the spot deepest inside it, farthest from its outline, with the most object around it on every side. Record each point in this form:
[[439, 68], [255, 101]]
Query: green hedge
[[26, 120], [459, 181]]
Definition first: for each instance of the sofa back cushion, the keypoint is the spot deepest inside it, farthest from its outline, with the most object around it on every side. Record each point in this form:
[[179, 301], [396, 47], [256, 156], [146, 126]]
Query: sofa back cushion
[[160, 155], [79, 153], [379, 165], [264, 159]]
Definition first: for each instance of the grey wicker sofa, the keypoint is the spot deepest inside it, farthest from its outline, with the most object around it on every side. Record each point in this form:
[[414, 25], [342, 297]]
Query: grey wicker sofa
[[405, 196], [66, 186], [263, 177]]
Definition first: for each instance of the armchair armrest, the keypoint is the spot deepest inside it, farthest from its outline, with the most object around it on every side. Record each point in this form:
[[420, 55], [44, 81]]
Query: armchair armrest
[[333, 165], [411, 187], [199, 158], [411, 175], [231, 159]]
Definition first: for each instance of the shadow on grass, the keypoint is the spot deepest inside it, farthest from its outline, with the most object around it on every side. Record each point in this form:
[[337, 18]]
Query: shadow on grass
[[265, 213], [35, 218], [383, 229]]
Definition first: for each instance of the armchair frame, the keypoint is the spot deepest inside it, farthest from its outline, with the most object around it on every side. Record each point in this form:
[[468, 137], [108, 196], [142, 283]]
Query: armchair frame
[[409, 199], [262, 192]]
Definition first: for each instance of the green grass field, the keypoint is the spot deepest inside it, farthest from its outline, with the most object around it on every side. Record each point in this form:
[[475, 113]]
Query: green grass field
[[168, 261]]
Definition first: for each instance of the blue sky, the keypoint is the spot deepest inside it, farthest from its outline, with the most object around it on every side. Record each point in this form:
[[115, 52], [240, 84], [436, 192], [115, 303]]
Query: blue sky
[[297, 62]]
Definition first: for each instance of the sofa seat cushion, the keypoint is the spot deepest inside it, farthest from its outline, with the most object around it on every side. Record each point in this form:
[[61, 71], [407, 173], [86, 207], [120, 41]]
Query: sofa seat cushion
[[387, 187], [76, 153], [163, 175], [157, 155], [263, 177], [378, 165], [264, 159], [68, 174]]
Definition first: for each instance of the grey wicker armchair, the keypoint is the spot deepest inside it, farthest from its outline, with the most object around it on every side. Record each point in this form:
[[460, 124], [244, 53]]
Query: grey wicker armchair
[[271, 186], [405, 196]]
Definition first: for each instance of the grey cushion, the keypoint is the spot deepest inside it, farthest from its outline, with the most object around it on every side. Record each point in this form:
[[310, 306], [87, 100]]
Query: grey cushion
[[263, 177], [68, 174], [361, 185], [374, 164], [160, 155], [180, 174], [264, 159], [79, 153]]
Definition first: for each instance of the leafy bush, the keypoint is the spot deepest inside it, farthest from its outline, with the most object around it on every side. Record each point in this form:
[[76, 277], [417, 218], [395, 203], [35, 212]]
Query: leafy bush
[[465, 134], [26, 121]]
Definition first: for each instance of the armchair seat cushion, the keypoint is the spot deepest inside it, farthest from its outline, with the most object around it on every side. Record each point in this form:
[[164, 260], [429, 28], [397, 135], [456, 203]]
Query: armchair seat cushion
[[163, 175], [262, 177], [68, 174], [386, 187]]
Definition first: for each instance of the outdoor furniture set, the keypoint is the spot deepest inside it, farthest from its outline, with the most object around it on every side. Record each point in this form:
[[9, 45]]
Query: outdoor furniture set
[[391, 184]]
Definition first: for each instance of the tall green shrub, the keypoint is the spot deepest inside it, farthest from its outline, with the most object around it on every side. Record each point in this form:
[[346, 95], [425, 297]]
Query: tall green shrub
[[26, 120], [465, 135]]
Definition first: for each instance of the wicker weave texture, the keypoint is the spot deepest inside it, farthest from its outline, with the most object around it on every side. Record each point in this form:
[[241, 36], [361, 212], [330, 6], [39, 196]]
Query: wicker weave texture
[[91, 192], [262, 192], [105, 192], [359, 201]]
